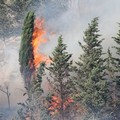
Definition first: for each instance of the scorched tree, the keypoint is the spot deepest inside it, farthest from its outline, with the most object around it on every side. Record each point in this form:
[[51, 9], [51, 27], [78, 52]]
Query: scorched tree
[[26, 56]]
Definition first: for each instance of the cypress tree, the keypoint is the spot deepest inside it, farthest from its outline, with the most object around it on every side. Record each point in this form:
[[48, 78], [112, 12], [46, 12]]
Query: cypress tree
[[90, 75], [59, 71], [26, 50]]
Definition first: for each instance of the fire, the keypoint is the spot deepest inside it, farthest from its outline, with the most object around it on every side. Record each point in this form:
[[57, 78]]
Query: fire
[[38, 39], [55, 104]]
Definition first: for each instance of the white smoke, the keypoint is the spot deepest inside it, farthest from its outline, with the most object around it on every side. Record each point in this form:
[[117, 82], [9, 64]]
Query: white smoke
[[67, 17], [9, 73], [71, 17]]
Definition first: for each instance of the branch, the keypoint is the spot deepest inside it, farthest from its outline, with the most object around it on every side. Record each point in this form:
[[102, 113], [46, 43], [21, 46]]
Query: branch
[[3, 91]]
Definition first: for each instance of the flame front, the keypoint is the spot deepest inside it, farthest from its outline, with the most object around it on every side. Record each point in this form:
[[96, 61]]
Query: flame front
[[37, 40], [55, 104]]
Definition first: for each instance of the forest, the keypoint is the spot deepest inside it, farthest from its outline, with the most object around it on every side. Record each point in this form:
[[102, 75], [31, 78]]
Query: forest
[[57, 86]]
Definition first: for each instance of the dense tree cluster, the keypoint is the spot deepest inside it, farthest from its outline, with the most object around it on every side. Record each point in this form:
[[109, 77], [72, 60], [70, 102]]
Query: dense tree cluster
[[91, 86]]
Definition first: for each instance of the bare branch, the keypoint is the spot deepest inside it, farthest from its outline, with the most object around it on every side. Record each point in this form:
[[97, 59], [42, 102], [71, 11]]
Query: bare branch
[[3, 90]]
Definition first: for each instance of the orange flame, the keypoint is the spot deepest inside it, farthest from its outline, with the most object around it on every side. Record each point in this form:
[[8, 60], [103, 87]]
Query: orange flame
[[38, 39], [55, 104]]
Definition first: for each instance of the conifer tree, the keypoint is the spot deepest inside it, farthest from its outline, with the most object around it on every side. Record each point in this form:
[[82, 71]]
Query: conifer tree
[[90, 75], [113, 100], [117, 59], [59, 71], [26, 50], [116, 82], [37, 81], [37, 94], [34, 107], [110, 69]]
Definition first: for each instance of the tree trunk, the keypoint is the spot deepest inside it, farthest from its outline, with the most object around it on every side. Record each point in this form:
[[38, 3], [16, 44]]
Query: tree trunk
[[8, 97], [62, 100]]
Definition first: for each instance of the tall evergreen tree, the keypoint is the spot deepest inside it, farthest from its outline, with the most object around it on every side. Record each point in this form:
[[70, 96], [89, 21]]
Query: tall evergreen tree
[[37, 80], [112, 101], [38, 99], [26, 56], [111, 70], [117, 59], [59, 71], [90, 75], [116, 82]]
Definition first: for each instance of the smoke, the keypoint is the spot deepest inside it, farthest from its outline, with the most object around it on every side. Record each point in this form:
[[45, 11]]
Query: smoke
[[62, 17], [9, 73], [71, 17]]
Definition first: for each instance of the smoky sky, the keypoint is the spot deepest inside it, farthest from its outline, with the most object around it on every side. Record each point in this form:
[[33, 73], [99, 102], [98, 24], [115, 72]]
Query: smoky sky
[[71, 18], [68, 18]]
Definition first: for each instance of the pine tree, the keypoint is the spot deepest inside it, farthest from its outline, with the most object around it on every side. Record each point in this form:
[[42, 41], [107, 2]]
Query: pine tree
[[117, 59], [111, 77], [116, 82], [111, 110], [90, 75], [37, 91], [59, 71], [37, 81], [34, 107], [26, 50]]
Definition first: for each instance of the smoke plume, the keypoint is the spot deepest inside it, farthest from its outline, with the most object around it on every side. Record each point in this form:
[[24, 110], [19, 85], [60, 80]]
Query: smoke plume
[[68, 18]]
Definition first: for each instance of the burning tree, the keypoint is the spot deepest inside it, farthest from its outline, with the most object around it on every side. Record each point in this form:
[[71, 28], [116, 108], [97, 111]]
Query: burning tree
[[29, 55], [32, 66], [60, 81], [26, 56]]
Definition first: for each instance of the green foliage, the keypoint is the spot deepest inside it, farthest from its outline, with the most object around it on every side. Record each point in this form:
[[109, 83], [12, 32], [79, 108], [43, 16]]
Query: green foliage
[[34, 106], [91, 81], [59, 71], [113, 75], [93, 84], [60, 68], [38, 80], [116, 64], [26, 50], [37, 91], [117, 59]]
